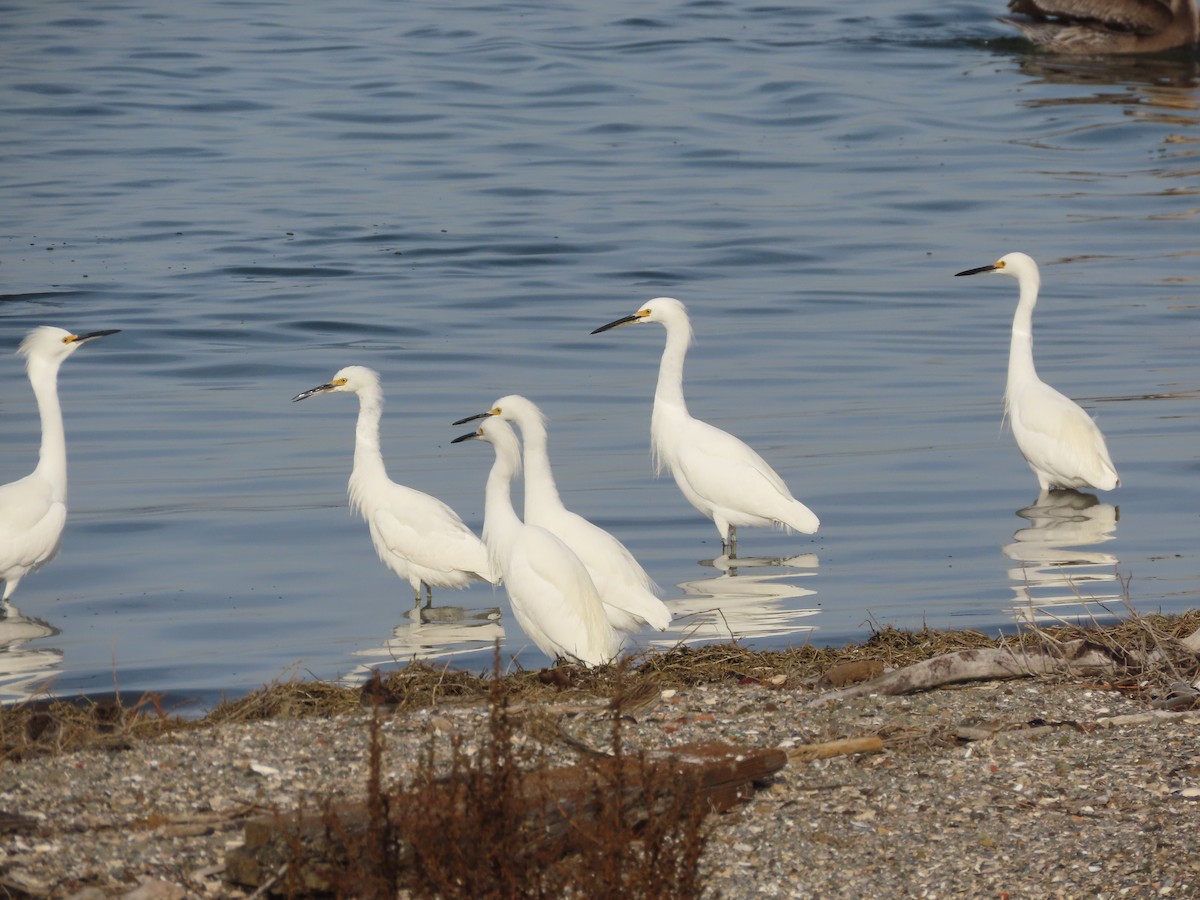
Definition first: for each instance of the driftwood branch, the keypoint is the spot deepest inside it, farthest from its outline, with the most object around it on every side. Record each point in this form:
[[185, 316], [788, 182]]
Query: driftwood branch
[[981, 665], [829, 749]]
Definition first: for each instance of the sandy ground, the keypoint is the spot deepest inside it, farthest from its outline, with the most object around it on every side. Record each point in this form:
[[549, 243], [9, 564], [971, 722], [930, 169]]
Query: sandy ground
[[1006, 789]]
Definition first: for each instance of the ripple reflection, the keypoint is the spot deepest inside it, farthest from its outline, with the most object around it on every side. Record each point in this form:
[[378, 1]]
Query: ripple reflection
[[437, 632], [1058, 579], [25, 671], [744, 601]]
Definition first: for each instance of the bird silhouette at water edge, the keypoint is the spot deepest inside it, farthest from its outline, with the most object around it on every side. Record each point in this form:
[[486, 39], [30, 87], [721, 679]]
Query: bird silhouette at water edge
[[1061, 442], [549, 589], [718, 473], [33, 509], [627, 592], [417, 536]]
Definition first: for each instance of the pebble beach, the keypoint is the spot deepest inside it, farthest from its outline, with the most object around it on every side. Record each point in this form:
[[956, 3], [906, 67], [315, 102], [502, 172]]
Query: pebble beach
[[1021, 788]]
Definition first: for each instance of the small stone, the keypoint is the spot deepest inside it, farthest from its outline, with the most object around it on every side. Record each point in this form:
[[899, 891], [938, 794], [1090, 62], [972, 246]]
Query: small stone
[[154, 889]]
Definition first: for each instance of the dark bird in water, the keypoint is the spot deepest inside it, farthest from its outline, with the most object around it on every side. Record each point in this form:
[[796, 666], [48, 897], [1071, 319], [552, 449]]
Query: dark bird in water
[[1107, 26]]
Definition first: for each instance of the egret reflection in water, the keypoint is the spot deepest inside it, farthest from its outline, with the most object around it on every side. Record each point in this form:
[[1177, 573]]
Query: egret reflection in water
[[750, 598], [25, 670], [433, 633], [1058, 576]]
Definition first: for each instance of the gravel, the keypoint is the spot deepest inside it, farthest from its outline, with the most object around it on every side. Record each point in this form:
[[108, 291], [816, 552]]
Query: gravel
[[1013, 789]]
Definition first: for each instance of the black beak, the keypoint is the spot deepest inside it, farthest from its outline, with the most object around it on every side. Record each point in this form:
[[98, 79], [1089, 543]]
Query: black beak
[[464, 421], [95, 334], [991, 268], [319, 389], [625, 320], [469, 436]]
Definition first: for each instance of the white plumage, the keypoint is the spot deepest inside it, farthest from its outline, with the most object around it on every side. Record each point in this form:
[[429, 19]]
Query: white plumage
[[718, 473], [551, 594], [33, 509], [417, 536], [1061, 443], [625, 589]]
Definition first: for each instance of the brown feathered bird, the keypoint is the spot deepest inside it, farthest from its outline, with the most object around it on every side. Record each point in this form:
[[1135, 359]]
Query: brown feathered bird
[[1107, 26]]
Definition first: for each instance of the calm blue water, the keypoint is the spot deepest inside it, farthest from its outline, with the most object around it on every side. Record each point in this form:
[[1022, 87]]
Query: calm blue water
[[456, 194]]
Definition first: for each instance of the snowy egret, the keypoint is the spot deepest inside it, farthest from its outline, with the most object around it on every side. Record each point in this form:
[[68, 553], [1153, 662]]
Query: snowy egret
[[1106, 26], [718, 473], [417, 536], [549, 589], [625, 589], [33, 509], [1058, 439]]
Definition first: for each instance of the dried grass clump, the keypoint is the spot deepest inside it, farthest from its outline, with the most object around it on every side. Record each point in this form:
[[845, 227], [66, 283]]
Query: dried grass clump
[[1148, 648], [498, 824], [287, 700], [419, 685], [51, 727], [897, 648]]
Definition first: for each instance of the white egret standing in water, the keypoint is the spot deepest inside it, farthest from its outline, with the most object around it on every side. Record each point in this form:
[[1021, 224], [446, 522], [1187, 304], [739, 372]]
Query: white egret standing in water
[[551, 594], [718, 473], [417, 536], [1058, 439], [33, 509], [625, 589]]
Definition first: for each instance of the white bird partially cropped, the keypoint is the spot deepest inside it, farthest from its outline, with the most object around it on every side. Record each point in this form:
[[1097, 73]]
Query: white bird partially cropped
[[33, 510], [1058, 439], [628, 593], [549, 589], [417, 536], [718, 473], [1106, 26]]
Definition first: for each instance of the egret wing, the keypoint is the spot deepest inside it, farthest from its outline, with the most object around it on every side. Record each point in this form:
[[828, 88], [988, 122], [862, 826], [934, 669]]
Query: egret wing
[[28, 544], [23, 504], [1058, 437], [728, 473], [553, 594], [426, 531], [620, 580], [31, 523]]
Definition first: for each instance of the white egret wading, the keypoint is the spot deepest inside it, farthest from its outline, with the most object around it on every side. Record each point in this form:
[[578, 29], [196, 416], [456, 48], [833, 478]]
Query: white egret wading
[[549, 589], [33, 510], [718, 473], [627, 592], [1058, 439], [417, 536]]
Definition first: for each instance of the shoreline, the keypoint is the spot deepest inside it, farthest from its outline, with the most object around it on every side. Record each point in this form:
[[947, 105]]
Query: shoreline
[[1064, 786]]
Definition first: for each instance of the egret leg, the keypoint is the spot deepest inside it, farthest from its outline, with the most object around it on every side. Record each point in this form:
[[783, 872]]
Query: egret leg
[[733, 542]]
